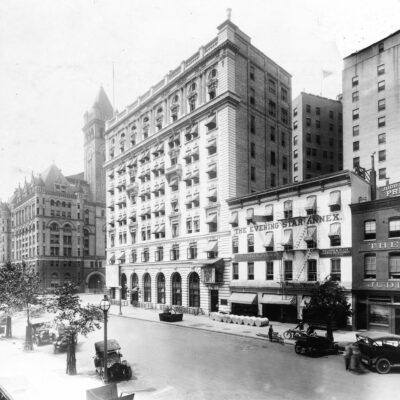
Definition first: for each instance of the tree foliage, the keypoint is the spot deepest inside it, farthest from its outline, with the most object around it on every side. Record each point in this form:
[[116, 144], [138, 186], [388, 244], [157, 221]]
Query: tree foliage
[[73, 319], [328, 303]]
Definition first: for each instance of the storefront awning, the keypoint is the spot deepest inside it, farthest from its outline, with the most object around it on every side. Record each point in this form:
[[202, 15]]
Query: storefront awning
[[305, 300], [208, 262], [278, 299], [269, 239], [212, 245], [243, 298]]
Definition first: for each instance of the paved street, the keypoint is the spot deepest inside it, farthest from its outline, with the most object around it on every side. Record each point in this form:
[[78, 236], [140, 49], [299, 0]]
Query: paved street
[[175, 362]]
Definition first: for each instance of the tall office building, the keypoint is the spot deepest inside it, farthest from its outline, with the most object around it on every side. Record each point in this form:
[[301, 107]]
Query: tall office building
[[215, 127], [59, 222], [371, 111], [5, 232], [317, 136]]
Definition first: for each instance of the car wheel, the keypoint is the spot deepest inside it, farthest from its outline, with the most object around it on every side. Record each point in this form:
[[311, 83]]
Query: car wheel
[[287, 335], [383, 366], [128, 373], [298, 349]]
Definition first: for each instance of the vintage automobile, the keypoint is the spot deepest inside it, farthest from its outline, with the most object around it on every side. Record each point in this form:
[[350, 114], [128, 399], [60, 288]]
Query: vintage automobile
[[314, 345], [43, 333], [116, 367], [379, 350]]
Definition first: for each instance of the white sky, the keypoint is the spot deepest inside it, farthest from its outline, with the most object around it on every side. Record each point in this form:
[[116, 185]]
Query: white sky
[[55, 54]]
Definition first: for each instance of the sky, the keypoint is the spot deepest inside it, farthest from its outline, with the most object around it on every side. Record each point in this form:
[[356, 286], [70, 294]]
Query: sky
[[55, 55]]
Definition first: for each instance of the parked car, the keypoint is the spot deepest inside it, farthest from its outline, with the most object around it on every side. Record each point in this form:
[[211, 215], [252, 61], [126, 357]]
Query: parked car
[[379, 350], [43, 333], [116, 367], [314, 345]]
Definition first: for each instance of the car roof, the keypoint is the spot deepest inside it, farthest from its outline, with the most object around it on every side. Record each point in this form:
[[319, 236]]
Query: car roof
[[378, 335]]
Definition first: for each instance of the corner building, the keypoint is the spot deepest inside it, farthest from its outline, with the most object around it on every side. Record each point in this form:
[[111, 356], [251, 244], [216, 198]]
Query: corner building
[[203, 134], [284, 240], [371, 117]]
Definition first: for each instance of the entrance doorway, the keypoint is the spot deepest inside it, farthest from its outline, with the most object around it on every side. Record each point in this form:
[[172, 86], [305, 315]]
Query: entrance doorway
[[214, 300]]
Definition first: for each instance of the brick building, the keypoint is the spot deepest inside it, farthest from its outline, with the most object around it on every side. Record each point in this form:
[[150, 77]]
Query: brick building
[[317, 136], [216, 126], [5, 233]]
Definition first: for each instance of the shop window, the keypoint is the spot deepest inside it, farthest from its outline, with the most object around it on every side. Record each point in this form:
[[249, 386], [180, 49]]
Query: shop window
[[394, 227], [336, 273], [370, 266], [369, 230]]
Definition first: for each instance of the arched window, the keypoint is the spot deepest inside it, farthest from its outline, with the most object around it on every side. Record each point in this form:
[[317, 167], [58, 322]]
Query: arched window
[[135, 288], [176, 289], [147, 287], [161, 288], [194, 290], [52, 202], [67, 277], [54, 275], [54, 227], [67, 228], [63, 204], [124, 286]]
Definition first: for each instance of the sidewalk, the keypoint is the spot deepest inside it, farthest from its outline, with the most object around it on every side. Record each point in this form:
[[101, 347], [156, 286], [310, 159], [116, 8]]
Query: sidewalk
[[206, 323]]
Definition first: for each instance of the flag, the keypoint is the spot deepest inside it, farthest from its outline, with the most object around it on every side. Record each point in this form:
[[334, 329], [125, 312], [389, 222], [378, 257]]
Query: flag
[[326, 73]]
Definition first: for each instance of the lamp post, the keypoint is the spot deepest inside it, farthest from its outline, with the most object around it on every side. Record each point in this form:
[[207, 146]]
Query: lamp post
[[105, 306]]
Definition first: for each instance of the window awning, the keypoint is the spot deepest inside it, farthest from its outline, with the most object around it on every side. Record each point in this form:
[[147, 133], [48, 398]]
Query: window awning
[[132, 213], [147, 154], [156, 208], [208, 262], [211, 121], [311, 235], [162, 207], [196, 197], [188, 176], [112, 258], [243, 298], [188, 199], [148, 210], [211, 219], [269, 239], [334, 230], [269, 210], [311, 203], [212, 245], [160, 147], [173, 182], [155, 229], [195, 174], [122, 256], [132, 163], [161, 229], [211, 143], [278, 299], [287, 238], [194, 129], [142, 156], [174, 199], [334, 198], [250, 214], [212, 194], [287, 205], [305, 300], [234, 219], [155, 150], [121, 168], [212, 168], [188, 154], [195, 151]]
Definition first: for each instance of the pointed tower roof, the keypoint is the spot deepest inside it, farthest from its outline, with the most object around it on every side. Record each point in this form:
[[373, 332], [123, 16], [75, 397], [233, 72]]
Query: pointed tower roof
[[102, 103], [53, 175]]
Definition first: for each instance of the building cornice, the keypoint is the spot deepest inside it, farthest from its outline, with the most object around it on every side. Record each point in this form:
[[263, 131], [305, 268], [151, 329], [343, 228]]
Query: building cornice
[[374, 205]]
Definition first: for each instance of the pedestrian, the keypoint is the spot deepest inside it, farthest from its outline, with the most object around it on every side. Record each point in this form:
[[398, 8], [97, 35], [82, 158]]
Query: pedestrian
[[355, 360], [300, 325], [270, 333], [347, 356]]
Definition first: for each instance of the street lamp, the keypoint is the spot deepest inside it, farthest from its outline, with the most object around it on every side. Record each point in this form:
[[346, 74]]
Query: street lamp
[[105, 306]]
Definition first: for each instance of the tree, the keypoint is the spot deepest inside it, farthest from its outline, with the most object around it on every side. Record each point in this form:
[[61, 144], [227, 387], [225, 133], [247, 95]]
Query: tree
[[328, 303], [72, 319]]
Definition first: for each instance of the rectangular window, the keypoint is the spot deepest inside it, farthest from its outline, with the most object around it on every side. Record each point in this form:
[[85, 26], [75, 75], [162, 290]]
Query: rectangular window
[[252, 73], [336, 273], [355, 96], [288, 270], [355, 114], [370, 266], [189, 228], [382, 173], [273, 179], [356, 162], [295, 140], [235, 244], [382, 155], [295, 154], [356, 130], [369, 230], [284, 116], [272, 133], [295, 112], [382, 138], [381, 86], [381, 122], [294, 125], [273, 159], [381, 47], [381, 69], [284, 163], [308, 108], [253, 173], [394, 267], [318, 139], [318, 110], [269, 271], [253, 150], [284, 94], [295, 167], [250, 271], [312, 270], [381, 104], [250, 243], [331, 114], [356, 146], [308, 121], [272, 108], [308, 137], [252, 97], [354, 81], [272, 86], [235, 271], [394, 227], [318, 123]]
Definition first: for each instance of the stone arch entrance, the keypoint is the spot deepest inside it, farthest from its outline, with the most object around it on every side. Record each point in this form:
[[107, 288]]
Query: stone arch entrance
[[95, 282]]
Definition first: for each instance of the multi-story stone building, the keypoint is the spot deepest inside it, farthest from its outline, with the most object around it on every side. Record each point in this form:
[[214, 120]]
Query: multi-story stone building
[[376, 262], [5, 233], [215, 127], [58, 222], [317, 146], [286, 239], [371, 117]]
